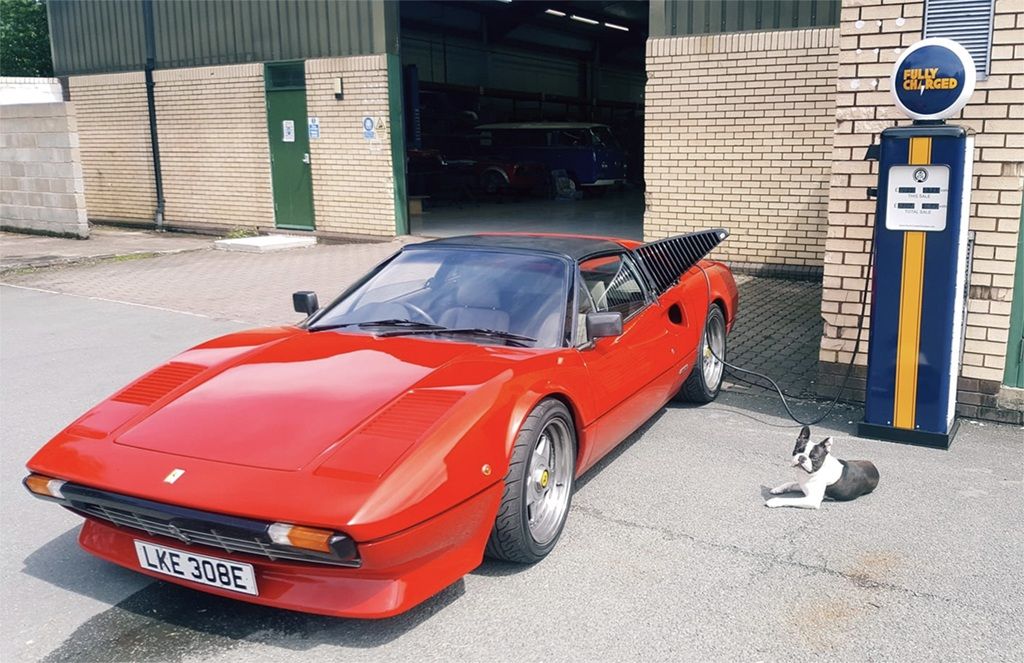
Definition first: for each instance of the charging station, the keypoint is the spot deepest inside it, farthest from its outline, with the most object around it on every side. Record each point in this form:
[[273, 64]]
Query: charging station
[[921, 241]]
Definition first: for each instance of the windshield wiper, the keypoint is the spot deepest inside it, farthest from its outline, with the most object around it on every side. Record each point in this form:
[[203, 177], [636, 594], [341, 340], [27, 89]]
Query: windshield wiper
[[390, 322], [517, 340]]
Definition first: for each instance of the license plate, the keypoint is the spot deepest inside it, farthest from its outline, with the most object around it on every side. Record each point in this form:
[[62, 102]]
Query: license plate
[[223, 573]]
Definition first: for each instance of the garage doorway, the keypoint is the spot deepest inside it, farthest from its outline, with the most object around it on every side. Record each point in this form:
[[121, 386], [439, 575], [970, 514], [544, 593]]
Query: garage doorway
[[524, 116]]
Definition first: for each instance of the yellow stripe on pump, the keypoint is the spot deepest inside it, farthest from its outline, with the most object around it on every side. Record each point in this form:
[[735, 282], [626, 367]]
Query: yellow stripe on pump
[[920, 151], [908, 344]]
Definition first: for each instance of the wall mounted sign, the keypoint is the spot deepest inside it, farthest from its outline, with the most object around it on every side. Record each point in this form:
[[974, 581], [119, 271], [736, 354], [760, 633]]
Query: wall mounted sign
[[288, 131], [933, 79], [313, 124], [369, 130]]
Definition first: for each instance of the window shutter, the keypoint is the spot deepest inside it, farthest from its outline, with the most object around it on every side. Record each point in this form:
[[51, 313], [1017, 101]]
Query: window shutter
[[968, 22]]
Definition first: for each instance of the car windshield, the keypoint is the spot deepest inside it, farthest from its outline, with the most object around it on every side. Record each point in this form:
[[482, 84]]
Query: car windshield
[[603, 137], [460, 289]]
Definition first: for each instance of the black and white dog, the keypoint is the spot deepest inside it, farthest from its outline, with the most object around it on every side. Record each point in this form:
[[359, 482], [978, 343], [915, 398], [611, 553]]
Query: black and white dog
[[823, 475]]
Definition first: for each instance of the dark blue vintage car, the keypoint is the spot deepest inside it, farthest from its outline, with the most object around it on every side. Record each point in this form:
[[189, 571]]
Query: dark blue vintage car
[[588, 152]]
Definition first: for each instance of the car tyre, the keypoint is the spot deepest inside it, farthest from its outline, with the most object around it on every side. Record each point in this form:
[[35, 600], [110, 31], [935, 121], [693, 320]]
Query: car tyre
[[538, 486], [493, 183], [705, 380]]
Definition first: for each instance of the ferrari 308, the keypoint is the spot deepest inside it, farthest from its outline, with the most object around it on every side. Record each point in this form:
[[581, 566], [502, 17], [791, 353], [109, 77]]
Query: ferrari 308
[[440, 409]]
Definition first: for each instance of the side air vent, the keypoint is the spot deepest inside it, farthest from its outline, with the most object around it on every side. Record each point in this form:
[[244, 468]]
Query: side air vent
[[151, 388], [412, 415], [374, 448], [669, 258]]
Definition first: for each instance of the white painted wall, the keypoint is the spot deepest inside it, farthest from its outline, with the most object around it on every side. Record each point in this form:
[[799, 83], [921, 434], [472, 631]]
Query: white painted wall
[[17, 90]]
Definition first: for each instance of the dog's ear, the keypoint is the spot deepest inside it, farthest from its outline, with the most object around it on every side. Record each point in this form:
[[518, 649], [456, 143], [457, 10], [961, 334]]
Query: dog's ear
[[805, 433], [826, 444]]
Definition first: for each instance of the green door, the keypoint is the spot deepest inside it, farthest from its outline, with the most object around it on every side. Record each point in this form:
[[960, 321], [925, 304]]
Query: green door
[[1015, 346], [290, 169]]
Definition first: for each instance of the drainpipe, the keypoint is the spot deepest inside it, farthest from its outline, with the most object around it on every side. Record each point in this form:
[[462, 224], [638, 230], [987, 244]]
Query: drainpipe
[[154, 142]]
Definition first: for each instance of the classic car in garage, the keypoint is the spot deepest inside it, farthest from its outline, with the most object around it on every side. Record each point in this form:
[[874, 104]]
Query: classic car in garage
[[441, 408]]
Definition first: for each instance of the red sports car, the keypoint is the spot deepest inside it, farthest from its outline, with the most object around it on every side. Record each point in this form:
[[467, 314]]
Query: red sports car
[[441, 408]]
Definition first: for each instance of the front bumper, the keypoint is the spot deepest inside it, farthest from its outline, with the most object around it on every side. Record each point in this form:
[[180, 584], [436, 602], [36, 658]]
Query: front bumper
[[397, 573]]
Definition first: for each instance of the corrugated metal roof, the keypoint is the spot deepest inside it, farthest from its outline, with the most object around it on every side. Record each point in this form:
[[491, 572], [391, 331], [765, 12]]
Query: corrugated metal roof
[[670, 18], [100, 37]]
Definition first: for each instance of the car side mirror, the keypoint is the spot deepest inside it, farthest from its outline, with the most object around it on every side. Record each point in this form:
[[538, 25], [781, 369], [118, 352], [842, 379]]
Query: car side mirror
[[305, 301], [603, 324]]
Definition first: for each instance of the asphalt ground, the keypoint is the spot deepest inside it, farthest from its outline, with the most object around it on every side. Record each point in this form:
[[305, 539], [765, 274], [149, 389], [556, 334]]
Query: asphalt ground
[[668, 554]]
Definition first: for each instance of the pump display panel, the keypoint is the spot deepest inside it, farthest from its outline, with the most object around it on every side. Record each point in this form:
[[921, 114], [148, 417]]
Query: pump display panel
[[917, 198]]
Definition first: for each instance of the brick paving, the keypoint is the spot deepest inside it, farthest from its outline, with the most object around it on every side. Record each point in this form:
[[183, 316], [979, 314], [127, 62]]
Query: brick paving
[[777, 331], [247, 287]]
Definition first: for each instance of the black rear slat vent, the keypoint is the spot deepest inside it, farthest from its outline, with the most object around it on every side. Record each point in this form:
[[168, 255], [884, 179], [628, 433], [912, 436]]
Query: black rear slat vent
[[668, 259]]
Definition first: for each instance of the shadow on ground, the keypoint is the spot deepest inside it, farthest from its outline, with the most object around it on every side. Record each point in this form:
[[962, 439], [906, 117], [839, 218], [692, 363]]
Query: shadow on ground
[[165, 622]]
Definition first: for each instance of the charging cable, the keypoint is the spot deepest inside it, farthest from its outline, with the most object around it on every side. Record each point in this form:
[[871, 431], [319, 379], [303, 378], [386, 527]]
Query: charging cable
[[775, 386]]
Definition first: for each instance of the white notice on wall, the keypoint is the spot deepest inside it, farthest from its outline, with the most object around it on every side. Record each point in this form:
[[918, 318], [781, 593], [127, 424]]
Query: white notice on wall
[[288, 131], [917, 198], [314, 127]]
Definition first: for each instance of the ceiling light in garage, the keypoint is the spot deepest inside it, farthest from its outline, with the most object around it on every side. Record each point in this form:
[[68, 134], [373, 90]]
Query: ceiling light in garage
[[554, 12], [581, 19], [616, 27]]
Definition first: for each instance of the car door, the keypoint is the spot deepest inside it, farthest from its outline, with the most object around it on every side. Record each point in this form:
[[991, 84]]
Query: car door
[[627, 372]]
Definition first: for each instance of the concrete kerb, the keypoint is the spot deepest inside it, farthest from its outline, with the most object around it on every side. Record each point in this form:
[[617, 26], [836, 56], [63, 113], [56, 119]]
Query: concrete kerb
[[29, 252], [45, 262]]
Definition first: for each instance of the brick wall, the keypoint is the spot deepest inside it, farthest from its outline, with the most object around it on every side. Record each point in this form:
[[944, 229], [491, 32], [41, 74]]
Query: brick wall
[[113, 130], [214, 154], [739, 134], [41, 188], [353, 184], [872, 34]]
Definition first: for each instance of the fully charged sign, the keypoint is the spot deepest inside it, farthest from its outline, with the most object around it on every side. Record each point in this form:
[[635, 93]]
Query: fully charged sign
[[933, 79]]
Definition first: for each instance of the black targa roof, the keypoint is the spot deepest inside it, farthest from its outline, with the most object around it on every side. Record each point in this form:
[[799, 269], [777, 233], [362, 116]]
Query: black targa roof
[[567, 245]]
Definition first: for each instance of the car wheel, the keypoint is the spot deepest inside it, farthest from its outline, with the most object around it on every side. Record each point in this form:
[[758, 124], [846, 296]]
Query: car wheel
[[492, 183], [705, 380], [538, 487]]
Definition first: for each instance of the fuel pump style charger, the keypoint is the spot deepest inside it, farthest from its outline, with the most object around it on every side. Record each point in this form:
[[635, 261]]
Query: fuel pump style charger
[[920, 243]]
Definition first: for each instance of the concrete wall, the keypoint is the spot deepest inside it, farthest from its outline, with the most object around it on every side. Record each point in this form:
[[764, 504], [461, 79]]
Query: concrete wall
[[739, 134], [353, 183], [864, 108], [214, 153], [113, 126], [41, 188]]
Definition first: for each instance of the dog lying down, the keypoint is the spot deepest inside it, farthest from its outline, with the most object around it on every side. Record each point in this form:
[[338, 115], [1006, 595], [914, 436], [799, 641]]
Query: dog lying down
[[823, 475]]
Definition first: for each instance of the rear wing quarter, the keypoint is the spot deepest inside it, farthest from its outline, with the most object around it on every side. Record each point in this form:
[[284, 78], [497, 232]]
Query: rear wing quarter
[[667, 260]]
